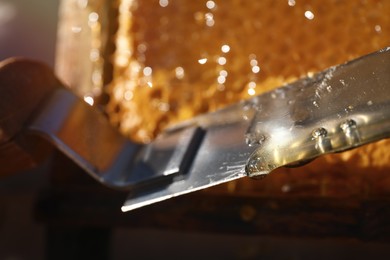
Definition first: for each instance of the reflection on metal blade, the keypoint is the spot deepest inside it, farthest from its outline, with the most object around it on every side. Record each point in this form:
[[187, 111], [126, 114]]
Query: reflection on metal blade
[[340, 108]]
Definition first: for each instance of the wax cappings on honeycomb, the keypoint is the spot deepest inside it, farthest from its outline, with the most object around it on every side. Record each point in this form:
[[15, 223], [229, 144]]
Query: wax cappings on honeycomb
[[176, 59]]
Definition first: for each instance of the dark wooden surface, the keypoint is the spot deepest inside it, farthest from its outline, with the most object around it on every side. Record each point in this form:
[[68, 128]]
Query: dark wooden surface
[[366, 220]]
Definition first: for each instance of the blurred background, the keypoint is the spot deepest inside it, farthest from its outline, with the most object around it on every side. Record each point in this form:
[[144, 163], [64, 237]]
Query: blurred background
[[28, 29]]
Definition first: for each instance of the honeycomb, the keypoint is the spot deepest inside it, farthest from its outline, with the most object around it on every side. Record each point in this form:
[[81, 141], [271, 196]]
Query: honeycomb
[[175, 59]]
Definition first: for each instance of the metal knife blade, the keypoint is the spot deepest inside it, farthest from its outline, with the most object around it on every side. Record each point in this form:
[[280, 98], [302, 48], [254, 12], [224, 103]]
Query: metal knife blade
[[340, 108]]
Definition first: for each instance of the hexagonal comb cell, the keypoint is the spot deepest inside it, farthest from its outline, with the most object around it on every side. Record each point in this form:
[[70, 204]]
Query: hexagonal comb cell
[[188, 57]]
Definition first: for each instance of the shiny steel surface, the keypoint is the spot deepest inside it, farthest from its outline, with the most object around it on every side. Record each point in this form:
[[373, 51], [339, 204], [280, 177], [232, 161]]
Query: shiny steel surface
[[338, 109]]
